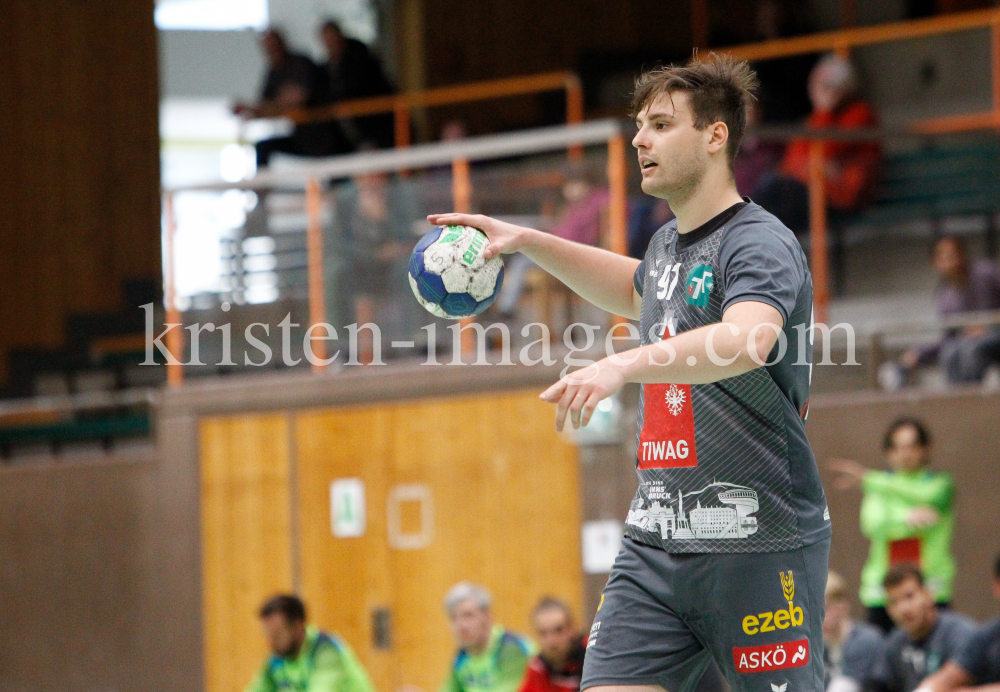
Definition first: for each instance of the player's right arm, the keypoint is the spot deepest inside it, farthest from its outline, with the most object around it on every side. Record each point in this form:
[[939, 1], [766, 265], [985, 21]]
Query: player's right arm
[[599, 276]]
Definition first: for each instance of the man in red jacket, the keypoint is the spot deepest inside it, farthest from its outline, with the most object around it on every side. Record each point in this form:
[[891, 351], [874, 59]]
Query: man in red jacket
[[558, 666], [851, 167]]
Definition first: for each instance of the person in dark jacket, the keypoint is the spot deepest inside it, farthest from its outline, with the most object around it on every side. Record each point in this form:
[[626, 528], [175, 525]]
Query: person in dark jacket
[[352, 72], [292, 81]]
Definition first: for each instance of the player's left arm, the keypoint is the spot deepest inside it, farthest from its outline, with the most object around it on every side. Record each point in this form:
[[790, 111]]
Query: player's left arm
[[739, 343]]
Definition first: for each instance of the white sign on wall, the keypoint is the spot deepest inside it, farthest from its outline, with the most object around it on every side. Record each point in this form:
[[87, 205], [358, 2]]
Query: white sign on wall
[[347, 507], [602, 540]]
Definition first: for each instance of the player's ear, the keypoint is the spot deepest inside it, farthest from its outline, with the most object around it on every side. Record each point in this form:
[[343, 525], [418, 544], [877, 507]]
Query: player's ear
[[718, 136]]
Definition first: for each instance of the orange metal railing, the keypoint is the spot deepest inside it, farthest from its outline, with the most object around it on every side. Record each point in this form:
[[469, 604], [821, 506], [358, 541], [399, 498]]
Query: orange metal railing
[[401, 105], [462, 196], [842, 42]]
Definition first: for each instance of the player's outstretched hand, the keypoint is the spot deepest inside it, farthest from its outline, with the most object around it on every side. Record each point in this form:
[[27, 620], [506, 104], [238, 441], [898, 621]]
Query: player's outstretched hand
[[505, 238], [579, 392]]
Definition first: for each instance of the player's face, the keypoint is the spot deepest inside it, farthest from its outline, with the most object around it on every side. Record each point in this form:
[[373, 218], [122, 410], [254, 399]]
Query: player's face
[[283, 637], [911, 607], [906, 452], [673, 153], [471, 623], [556, 634]]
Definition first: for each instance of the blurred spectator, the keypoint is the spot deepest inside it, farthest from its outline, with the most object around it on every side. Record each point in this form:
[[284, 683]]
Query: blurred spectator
[[963, 354], [581, 221], [977, 666], [354, 73], [756, 158], [851, 167], [489, 658], [375, 214], [851, 649], [926, 637], [906, 513], [646, 215], [292, 81], [303, 657], [559, 663]]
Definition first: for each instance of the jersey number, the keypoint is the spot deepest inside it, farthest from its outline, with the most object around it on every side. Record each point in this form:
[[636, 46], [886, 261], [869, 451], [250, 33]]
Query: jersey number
[[668, 281]]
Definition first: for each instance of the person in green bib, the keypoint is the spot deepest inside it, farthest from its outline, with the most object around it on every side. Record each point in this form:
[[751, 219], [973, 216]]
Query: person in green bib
[[304, 659], [489, 658], [906, 513]]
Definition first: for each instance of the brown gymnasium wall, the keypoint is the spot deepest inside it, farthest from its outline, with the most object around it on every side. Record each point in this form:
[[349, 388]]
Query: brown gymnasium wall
[[79, 151], [965, 431]]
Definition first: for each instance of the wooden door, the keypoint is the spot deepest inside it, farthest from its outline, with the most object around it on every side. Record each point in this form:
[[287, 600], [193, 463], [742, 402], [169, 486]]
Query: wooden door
[[246, 539], [471, 488]]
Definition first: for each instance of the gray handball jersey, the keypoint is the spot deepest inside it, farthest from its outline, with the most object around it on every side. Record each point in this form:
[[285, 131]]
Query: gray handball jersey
[[725, 467]]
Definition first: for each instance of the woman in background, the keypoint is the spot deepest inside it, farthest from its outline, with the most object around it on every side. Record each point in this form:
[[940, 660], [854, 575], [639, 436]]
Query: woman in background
[[906, 513]]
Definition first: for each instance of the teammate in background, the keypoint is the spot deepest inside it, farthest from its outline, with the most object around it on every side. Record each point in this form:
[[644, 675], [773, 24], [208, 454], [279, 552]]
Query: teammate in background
[[925, 637], [906, 513], [304, 658], [489, 658], [851, 648], [977, 666], [728, 537], [559, 663]]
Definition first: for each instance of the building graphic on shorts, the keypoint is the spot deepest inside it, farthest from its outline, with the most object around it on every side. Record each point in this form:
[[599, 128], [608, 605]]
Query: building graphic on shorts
[[732, 521]]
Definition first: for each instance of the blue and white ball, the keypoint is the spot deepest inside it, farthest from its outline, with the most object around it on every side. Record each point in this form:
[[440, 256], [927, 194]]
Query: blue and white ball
[[449, 275]]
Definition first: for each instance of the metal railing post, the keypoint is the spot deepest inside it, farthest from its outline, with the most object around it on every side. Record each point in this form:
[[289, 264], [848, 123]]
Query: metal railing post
[[574, 112], [174, 338], [401, 123], [618, 200], [314, 249], [461, 193], [818, 230]]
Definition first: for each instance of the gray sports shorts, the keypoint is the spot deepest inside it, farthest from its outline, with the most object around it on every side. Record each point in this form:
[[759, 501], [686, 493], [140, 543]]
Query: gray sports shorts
[[664, 616]]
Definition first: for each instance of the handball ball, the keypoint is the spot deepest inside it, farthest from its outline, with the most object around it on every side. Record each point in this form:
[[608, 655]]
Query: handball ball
[[449, 275]]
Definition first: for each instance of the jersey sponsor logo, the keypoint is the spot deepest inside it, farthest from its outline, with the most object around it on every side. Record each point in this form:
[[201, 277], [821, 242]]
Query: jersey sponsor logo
[[667, 438], [779, 688], [699, 284], [730, 518], [760, 659], [779, 619]]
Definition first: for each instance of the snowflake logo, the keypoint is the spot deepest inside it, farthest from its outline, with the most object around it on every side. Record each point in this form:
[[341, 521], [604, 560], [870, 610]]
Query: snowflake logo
[[675, 400]]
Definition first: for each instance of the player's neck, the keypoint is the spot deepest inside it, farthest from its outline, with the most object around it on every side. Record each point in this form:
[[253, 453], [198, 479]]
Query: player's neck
[[713, 195]]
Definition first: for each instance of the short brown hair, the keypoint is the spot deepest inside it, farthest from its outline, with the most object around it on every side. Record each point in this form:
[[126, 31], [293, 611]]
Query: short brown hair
[[900, 573], [836, 589], [720, 89]]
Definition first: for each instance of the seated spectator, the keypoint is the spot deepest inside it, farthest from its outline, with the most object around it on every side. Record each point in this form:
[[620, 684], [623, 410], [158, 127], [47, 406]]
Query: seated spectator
[[851, 649], [977, 666], [559, 664], [581, 221], [851, 167], [292, 81], [756, 158], [926, 638], [354, 73], [646, 215], [963, 354], [489, 658], [906, 513], [304, 658]]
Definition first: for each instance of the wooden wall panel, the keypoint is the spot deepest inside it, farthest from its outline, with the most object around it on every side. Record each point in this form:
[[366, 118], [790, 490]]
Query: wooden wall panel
[[344, 579], [79, 148], [506, 515], [246, 539]]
